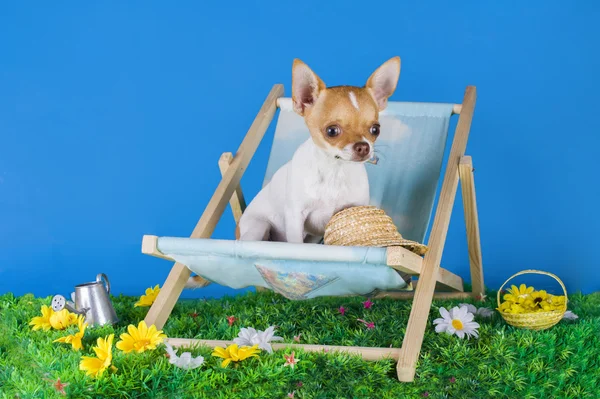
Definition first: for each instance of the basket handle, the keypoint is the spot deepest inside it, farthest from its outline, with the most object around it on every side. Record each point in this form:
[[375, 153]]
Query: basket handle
[[531, 271]]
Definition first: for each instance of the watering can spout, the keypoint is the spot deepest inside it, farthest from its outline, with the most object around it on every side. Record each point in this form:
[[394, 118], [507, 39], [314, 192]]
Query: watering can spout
[[59, 303]]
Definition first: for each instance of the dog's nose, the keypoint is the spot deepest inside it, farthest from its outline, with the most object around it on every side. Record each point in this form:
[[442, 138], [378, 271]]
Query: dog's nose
[[362, 148]]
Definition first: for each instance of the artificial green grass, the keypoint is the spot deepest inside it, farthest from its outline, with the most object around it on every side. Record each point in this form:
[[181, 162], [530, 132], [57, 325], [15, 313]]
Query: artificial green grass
[[505, 362]]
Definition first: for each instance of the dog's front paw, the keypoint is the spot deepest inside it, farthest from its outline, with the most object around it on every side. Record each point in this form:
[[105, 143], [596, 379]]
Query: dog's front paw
[[295, 238], [294, 227]]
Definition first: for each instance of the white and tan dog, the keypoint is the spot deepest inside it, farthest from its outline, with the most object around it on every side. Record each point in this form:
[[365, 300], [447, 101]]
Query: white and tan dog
[[327, 172]]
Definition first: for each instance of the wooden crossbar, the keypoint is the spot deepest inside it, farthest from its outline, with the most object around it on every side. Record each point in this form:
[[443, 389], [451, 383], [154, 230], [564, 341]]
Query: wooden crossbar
[[367, 353]]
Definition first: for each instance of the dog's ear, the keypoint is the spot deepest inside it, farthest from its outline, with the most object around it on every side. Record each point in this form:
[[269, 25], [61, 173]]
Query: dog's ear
[[382, 83], [306, 87]]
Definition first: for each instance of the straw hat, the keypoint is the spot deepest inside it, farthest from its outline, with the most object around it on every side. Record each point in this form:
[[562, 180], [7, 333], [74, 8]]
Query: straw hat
[[367, 226]]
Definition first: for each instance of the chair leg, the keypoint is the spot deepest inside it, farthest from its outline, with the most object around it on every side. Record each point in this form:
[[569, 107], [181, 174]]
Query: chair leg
[[169, 294], [419, 314], [467, 183], [415, 329]]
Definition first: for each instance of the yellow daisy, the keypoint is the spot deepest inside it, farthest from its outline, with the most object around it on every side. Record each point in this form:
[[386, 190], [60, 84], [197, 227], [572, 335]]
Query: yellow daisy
[[95, 366], [515, 308], [235, 353], [538, 297], [518, 295], [62, 319], [528, 304], [42, 322], [557, 302], [75, 340], [149, 298], [141, 338], [546, 306], [504, 306], [557, 299]]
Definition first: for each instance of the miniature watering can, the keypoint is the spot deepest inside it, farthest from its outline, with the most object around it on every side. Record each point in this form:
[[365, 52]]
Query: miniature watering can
[[90, 300]]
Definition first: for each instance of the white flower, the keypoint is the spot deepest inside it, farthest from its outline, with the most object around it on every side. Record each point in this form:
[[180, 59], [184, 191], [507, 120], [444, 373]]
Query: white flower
[[457, 321], [185, 361], [470, 308], [482, 312], [570, 315], [249, 336]]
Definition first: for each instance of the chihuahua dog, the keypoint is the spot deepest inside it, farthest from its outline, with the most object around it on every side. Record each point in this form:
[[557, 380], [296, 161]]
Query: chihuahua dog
[[327, 172]]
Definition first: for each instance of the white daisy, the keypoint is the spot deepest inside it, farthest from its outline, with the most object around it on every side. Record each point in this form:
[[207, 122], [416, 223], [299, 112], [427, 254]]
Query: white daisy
[[458, 321], [482, 312], [570, 315], [471, 308], [249, 336], [185, 361]]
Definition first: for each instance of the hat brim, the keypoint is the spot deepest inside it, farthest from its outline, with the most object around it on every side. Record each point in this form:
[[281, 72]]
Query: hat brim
[[413, 246]]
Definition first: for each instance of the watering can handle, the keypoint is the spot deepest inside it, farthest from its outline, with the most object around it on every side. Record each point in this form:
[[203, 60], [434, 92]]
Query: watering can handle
[[102, 276]]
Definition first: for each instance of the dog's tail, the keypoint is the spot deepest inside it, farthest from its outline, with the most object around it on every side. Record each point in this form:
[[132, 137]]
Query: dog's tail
[[196, 282]]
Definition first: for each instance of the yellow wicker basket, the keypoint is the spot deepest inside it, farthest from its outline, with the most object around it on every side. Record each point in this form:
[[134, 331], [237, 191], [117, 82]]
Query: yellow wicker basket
[[534, 320]]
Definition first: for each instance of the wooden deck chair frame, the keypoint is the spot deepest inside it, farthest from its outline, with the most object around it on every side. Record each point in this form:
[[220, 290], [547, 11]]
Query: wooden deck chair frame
[[427, 268]]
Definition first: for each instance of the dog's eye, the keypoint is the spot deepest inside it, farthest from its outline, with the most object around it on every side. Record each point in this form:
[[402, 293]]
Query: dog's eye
[[333, 131], [375, 130]]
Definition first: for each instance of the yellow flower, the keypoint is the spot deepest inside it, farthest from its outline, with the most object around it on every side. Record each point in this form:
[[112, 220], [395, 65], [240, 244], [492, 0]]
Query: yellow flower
[[557, 299], [43, 321], [141, 338], [546, 306], [515, 308], [149, 298], [75, 340], [62, 319], [556, 302], [518, 295], [538, 297], [504, 306], [233, 353], [95, 366]]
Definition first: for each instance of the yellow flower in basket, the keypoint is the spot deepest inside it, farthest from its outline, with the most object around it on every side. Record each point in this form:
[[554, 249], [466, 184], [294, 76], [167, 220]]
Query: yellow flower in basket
[[518, 295], [557, 301], [538, 297], [525, 307], [515, 308]]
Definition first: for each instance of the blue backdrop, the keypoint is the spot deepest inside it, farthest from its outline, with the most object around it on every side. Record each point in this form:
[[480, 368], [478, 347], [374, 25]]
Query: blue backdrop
[[113, 117]]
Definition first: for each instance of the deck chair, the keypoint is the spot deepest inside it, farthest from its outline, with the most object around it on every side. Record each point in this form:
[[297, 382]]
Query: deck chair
[[404, 183]]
